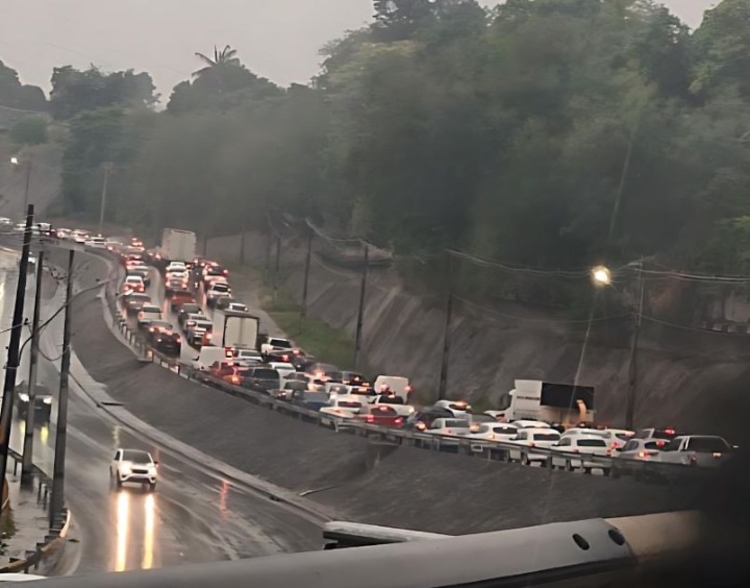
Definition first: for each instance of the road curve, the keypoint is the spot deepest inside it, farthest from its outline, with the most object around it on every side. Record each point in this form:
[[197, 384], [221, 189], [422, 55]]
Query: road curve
[[195, 515]]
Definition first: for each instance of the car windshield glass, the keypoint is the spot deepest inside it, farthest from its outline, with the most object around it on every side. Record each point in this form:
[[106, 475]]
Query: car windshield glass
[[349, 404], [708, 445], [283, 343], [546, 437], [653, 445], [220, 288], [136, 456], [504, 430], [592, 443], [266, 374], [457, 423], [391, 400]]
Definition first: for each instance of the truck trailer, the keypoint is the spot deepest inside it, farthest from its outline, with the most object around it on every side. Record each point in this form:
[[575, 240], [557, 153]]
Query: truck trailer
[[544, 401], [238, 330], [177, 245]]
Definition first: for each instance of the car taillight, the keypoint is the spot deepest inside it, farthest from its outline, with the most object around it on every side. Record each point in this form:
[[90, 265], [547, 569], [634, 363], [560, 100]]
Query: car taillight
[[420, 425], [235, 380], [717, 454], [177, 339], [409, 389], [532, 444], [285, 358], [399, 421], [370, 419], [669, 431]]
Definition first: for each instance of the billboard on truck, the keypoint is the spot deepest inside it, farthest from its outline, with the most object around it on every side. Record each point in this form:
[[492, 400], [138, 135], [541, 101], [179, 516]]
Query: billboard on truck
[[178, 245], [238, 330], [546, 401]]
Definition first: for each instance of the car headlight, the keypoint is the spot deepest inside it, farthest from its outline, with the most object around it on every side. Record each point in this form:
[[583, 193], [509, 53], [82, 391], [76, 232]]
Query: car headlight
[[47, 400], [23, 397], [126, 469]]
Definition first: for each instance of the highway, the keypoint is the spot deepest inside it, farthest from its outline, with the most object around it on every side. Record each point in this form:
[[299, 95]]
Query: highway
[[194, 516]]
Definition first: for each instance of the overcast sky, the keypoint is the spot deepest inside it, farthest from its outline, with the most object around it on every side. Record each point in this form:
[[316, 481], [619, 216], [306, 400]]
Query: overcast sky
[[278, 39]]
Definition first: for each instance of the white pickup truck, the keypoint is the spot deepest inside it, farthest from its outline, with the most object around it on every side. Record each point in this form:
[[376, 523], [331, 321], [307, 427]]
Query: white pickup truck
[[696, 450], [276, 345], [395, 402]]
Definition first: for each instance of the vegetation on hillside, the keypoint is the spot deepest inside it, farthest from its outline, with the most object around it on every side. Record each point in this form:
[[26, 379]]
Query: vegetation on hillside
[[549, 133]]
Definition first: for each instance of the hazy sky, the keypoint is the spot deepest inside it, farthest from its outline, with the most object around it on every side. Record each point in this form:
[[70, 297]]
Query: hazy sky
[[278, 39]]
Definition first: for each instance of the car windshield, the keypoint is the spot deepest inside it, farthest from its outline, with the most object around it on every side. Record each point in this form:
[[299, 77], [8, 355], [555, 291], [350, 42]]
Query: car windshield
[[282, 343], [392, 400], [547, 437], [349, 404], [161, 325], [591, 443], [136, 456], [457, 424], [504, 430]]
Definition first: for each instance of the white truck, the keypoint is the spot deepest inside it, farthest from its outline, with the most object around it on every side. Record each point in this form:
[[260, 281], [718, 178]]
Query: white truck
[[544, 401], [177, 245], [238, 330]]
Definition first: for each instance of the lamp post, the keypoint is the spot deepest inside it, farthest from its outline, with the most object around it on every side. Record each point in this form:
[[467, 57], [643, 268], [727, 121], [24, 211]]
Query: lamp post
[[15, 161]]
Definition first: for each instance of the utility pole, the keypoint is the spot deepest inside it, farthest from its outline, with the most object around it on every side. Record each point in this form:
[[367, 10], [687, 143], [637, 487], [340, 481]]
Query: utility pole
[[303, 312], [11, 367], [57, 501], [633, 367], [361, 312], [28, 181], [443, 385], [242, 246], [28, 436], [108, 166], [276, 270]]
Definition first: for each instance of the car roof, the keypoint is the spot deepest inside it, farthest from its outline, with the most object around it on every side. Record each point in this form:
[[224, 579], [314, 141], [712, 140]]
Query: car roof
[[589, 437]]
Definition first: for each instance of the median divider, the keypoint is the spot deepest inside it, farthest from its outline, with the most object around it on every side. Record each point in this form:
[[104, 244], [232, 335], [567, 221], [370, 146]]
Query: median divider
[[490, 450]]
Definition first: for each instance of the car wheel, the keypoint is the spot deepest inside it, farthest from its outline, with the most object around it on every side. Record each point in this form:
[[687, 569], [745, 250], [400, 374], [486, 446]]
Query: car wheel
[[568, 465], [118, 481], [606, 471], [152, 487], [525, 459], [587, 470]]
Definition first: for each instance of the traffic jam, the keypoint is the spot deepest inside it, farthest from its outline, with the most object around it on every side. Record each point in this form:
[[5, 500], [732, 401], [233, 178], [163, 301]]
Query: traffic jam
[[195, 319]]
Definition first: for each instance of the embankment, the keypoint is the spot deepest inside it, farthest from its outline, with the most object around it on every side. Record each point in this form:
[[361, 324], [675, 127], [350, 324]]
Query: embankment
[[404, 487], [686, 378]]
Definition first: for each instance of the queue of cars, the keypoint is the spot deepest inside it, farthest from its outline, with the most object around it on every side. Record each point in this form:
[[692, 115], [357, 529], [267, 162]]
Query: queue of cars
[[282, 370]]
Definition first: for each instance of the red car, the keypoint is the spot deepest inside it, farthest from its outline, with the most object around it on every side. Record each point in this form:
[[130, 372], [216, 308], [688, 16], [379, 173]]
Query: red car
[[383, 416], [180, 297]]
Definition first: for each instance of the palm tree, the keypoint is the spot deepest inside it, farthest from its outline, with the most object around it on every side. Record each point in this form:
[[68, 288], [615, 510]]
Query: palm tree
[[226, 56]]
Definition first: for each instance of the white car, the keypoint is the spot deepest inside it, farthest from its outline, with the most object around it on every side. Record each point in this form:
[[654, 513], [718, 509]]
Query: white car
[[133, 465], [176, 266], [578, 431], [397, 385], [216, 291], [344, 407], [459, 408], [134, 284], [237, 307], [494, 432], [529, 439], [395, 402], [276, 344], [96, 243], [248, 356], [628, 460], [284, 369], [616, 438], [449, 427], [148, 313], [529, 424], [588, 446], [696, 450]]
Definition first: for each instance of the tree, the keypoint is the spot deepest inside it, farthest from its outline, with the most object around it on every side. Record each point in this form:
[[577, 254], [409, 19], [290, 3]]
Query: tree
[[223, 58], [75, 91], [396, 20], [31, 130], [16, 95]]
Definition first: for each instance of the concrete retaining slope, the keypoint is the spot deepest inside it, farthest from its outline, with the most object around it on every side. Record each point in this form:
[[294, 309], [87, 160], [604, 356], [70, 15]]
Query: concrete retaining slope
[[375, 484]]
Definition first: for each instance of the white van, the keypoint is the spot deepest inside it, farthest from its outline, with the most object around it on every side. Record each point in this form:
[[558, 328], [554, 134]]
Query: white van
[[398, 385], [209, 355]]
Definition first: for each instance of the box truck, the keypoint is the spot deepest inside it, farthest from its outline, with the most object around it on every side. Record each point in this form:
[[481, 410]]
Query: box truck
[[544, 401], [177, 245], [238, 330]]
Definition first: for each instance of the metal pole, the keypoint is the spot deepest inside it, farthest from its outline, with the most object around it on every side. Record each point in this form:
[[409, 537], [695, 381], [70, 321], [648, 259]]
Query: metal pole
[[303, 311], [57, 500], [242, 247], [28, 436], [361, 312], [276, 270], [633, 368], [28, 181], [107, 168], [14, 346], [443, 384]]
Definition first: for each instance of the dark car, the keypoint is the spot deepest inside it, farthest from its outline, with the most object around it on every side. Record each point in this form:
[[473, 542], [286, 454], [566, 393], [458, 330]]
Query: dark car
[[194, 333], [421, 421], [286, 392], [309, 400], [302, 363], [261, 379], [134, 302], [223, 302], [348, 378], [161, 336], [42, 401], [186, 310]]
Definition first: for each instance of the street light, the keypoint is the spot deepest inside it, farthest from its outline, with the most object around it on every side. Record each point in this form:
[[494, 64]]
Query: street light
[[15, 161], [601, 275]]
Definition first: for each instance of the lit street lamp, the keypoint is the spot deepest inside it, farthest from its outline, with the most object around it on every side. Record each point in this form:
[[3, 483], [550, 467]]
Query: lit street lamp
[[15, 161], [601, 275]]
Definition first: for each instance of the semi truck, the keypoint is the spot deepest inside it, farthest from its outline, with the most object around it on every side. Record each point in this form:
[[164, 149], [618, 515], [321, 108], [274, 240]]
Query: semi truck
[[536, 400], [177, 245], [238, 330]]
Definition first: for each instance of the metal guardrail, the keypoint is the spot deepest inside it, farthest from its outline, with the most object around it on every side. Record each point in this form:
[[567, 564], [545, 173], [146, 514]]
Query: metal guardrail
[[478, 448]]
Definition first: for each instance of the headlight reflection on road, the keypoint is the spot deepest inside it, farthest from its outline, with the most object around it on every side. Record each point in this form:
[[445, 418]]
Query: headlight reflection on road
[[148, 539], [123, 522], [44, 434]]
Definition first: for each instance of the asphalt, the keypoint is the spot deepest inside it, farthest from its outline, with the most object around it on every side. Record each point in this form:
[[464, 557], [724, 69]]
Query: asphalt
[[195, 515], [407, 487]]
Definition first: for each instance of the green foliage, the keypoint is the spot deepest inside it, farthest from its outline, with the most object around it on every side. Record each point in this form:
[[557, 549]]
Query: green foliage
[[75, 91], [544, 132], [31, 130], [16, 95]]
